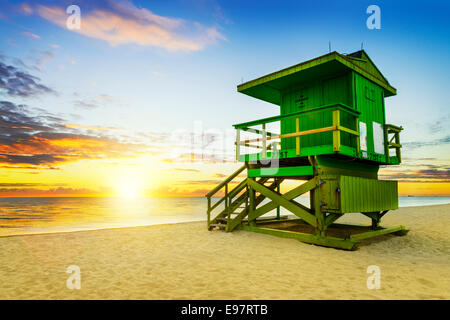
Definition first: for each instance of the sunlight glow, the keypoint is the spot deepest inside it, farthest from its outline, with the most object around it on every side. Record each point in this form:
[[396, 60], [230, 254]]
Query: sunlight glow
[[129, 187]]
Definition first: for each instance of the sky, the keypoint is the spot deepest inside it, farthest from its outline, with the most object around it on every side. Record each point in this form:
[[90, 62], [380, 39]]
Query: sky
[[117, 107]]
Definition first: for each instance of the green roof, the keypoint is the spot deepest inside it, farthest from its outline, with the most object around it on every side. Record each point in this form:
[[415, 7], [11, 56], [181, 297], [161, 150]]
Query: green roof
[[269, 87]]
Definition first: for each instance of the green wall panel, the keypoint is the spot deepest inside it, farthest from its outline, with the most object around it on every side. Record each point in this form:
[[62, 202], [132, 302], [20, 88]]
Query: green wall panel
[[318, 93], [367, 195]]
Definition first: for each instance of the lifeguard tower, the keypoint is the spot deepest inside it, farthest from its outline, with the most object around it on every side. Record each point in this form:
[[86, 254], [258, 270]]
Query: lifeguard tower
[[333, 134]]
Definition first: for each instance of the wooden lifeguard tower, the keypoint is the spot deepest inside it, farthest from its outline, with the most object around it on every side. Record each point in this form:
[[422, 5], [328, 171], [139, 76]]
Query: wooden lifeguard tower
[[333, 134]]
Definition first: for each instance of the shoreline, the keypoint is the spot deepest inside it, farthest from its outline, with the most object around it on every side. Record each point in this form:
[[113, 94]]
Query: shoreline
[[97, 229], [148, 225]]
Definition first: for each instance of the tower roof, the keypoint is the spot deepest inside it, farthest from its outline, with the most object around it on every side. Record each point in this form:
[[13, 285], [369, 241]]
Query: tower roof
[[269, 87]]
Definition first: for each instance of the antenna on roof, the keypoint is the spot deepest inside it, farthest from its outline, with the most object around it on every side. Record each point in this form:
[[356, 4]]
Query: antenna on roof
[[362, 45], [329, 46]]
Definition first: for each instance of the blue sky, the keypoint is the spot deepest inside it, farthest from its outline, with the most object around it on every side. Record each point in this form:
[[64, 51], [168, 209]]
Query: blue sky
[[139, 87]]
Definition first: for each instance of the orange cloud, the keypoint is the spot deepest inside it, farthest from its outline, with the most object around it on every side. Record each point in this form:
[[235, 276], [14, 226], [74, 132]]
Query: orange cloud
[[124, 24]]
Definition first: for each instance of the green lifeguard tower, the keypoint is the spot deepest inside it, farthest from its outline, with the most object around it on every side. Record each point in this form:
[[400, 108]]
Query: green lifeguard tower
[[333, 134]]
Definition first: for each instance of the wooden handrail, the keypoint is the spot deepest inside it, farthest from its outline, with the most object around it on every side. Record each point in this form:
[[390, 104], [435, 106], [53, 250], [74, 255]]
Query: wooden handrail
[[393, 142], [225, 182], [257, 131], [291, 135], [393, 128], [237, 189], [336, 128]]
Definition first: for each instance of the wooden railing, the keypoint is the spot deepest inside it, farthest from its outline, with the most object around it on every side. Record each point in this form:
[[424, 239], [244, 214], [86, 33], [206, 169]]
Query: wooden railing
[[228, 196], [393, 142], [336, 128]]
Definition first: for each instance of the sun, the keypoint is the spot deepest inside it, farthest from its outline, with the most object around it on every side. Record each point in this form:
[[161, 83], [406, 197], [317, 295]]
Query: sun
[[129, 187]]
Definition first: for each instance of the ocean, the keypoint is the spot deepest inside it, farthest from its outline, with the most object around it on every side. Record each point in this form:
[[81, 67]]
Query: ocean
[[42, 215]]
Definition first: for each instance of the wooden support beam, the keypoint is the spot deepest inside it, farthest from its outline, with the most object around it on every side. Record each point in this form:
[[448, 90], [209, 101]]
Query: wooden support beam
[[333, 242], [251, 191], [386, 143], [372, 215], [232, 224], [237, 189], [336, 132], [257, 131], [294, 193], [353, 132], [215, 205], [317, 211], [290, 205], [397, 142], [278, 207], [208, 214], [273, 220], [357, 137], [251, 145], [264, 141], [238, 145], [297, 139], [375, 217], [331, 218], [365, 235], [227, 180]]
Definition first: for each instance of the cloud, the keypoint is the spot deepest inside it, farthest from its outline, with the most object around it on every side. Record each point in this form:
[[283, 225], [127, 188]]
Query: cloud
[[121, 22], [19, 166], [439, 125], [25, 8], [93, 103], [426, 174], [31, 35], [31, 137], [435, 142], [85, 104], [20, 184], [37, 192], [35, 62], [19, 83], [79, 126], [42, 58]]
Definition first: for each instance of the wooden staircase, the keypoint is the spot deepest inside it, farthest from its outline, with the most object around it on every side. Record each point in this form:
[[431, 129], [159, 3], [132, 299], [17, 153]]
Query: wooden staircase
[[236, 202]]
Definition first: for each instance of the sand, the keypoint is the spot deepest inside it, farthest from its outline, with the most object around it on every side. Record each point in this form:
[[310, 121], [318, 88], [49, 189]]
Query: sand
[[184, 261]]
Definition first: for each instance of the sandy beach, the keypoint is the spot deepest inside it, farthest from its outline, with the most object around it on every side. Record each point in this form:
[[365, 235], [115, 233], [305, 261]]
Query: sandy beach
[[185, 261]]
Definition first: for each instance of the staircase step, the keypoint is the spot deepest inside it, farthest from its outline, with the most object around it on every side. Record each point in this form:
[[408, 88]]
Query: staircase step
[[219, 225]]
